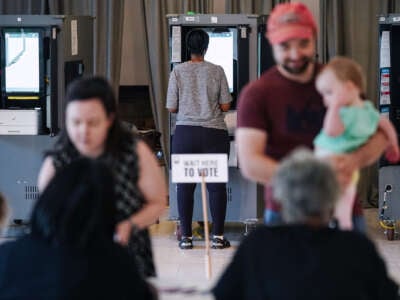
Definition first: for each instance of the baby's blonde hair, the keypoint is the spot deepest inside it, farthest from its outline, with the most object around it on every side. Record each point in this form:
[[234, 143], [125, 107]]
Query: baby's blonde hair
[[346, 69]]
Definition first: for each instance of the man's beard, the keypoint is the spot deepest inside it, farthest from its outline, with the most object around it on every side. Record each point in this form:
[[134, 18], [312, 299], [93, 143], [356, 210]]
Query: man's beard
[[298, 70]]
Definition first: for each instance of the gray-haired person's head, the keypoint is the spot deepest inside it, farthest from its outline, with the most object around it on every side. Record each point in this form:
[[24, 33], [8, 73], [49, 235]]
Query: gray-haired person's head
[[306, 187]]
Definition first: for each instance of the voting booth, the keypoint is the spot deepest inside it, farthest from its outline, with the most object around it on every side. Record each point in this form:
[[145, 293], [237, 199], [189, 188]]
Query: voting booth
[[39, 56], [389, 106], [238, 45]]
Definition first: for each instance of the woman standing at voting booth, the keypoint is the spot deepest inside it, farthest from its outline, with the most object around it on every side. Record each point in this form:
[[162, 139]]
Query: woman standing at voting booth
[[198, 92], [94, 130]]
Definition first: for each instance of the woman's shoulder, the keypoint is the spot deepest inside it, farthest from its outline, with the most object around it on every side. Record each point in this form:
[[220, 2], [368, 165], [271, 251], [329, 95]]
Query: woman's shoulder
[[61, 148], [212, 65], [62, 156], [181, 66], [126, 149], [129, 138]]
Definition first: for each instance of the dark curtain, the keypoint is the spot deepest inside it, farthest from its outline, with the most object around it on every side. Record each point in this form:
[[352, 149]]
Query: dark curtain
[[156, 33], [350, 28], [108, 21], [108, 24], [33, 7], [74, 7]]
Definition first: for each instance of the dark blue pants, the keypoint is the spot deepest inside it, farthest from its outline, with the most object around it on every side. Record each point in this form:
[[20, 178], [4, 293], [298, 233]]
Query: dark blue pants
[[192, 140]]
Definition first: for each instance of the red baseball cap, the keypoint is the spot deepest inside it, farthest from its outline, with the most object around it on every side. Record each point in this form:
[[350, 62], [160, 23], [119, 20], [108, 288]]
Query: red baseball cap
[[288, 21]]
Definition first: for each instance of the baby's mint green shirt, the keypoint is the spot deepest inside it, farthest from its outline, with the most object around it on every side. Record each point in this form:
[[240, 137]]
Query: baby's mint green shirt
[[360, 124]]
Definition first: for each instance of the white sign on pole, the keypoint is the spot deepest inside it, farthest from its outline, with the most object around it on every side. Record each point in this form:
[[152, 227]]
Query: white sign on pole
[[188, 168]]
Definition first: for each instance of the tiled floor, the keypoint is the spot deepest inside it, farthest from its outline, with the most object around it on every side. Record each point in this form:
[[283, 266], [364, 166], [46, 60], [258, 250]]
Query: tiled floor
[[173, 262], [183, 271], [186, 268]]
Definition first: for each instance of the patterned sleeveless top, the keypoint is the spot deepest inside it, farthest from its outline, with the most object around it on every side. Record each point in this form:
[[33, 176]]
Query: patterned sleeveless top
[[130, 199]]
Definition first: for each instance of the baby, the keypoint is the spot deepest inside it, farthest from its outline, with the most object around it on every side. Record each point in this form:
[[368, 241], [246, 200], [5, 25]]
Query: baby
[[349, 122]]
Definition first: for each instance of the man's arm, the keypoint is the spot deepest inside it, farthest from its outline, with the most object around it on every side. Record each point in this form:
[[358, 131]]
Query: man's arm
[[370, 151], [364, 156], [254, 164]]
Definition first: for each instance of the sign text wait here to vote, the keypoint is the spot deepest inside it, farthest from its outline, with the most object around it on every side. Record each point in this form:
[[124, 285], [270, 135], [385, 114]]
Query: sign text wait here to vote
[[190, 167]]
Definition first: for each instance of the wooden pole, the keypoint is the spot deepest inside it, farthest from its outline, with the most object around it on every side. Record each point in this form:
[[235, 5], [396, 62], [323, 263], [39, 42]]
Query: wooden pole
[[206, 235]]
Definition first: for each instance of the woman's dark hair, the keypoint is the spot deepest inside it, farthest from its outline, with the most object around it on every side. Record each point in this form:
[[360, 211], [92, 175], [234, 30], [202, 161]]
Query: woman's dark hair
[[197, 41], [77, 207], [85, 88]]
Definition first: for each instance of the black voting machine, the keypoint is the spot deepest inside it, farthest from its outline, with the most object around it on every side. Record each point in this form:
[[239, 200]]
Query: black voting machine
[[40, 55], [389, 106]]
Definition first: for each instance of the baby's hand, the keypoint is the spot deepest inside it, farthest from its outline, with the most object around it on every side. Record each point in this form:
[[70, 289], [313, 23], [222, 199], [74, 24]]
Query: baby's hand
[[392, 154]]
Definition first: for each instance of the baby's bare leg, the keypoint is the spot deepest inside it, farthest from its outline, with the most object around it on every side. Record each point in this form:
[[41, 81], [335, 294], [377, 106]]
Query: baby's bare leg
[[344, 207]]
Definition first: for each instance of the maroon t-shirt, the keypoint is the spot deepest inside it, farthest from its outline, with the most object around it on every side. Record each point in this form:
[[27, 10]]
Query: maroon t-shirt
[[290, 112]]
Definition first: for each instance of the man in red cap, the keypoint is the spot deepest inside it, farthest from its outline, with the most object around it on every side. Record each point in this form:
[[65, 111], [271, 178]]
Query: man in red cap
[[283, 110]]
